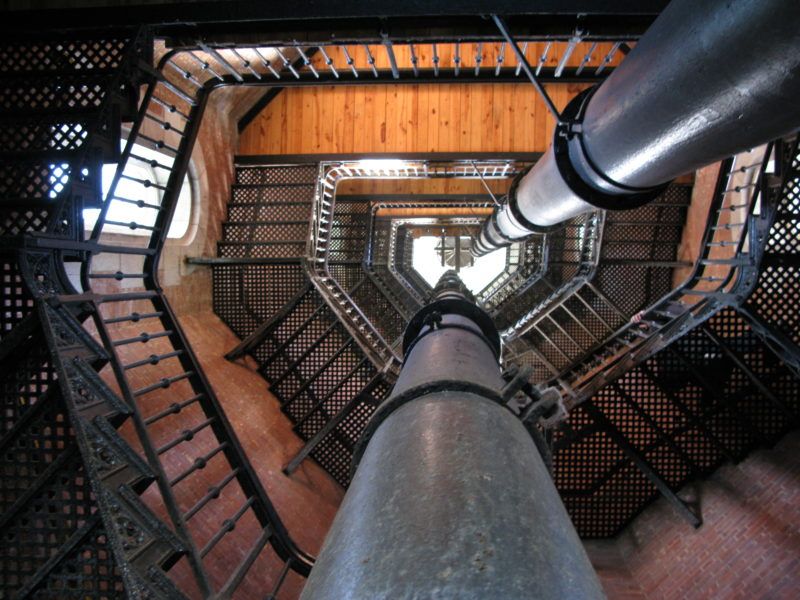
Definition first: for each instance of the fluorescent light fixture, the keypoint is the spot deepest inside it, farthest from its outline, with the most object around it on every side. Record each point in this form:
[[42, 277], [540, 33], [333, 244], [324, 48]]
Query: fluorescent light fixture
[[382, 164]]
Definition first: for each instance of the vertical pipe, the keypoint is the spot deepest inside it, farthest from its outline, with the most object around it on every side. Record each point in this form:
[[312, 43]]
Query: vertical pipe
[[450, 497], [707, 80]]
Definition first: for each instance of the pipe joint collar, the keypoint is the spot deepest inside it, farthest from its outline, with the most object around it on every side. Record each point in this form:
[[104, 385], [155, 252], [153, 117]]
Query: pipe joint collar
[[395, 402], [580, 173], [452, 306]]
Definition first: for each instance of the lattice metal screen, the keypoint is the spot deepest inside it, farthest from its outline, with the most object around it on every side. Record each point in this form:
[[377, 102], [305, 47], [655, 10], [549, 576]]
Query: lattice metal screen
[[687, 409]]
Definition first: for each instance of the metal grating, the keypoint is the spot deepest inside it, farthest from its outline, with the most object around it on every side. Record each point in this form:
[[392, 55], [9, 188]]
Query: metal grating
[[276, 175], [33, 181], [379, 311], [25, 380], [30, 450], [780, 276], [40, 94], [41, 135], [17, 302], [686, 410], [62, 55], [86, 572], [335, 452]]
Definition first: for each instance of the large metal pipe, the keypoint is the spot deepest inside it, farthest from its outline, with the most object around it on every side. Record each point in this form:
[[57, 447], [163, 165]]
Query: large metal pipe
[[707, 80], [450, 498]]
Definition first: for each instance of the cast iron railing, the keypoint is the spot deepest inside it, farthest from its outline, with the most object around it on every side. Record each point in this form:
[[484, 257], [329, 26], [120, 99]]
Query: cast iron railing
[[724, 274]]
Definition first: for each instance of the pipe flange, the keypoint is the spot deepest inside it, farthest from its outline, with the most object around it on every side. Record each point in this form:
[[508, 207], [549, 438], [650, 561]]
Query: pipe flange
[[568, 139], [395, 402], [497, 230], [453, 306]]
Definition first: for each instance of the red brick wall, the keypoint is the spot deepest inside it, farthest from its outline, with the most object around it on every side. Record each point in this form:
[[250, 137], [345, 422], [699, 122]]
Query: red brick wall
[[306, 502], [188, 287], [748, 546]]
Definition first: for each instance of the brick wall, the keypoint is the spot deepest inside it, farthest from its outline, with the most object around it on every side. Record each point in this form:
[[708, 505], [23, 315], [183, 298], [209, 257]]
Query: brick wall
[[748, 546], [306, 502], [188, 287]]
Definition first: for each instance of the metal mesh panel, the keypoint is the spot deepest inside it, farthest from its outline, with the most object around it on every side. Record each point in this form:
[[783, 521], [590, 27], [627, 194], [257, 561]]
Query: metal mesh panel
[[572, 325], [41, 527], [541, 372], [379, 311], [276, 175], [785, 236], [13, 222], [546, 346], [39, 94], [30, 452], [26, 181], [243, 232], [273, 193], [275, 212], [261, 250], [632, 288], [88, 571], [309, 332], [341, 388], [286, 340], [244, 296], [776, 298], [335, 457], [334, 453], [685, 410], [765, 415], [348, 232], [27, 377], [31, 135], [323, 373], [228, 299], [580, 311], [62, 55], [16, 301], [346, 275]]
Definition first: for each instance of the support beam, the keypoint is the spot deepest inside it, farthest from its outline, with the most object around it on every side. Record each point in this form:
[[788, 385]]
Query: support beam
[[641, 462], [754, 379], [450, 497], [262, 331]]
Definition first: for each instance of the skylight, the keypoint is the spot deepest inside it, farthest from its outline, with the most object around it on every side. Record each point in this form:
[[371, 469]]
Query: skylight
[[427, 261]]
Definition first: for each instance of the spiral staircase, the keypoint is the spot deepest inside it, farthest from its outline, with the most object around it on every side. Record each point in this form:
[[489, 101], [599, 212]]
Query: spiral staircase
[[663, 382]]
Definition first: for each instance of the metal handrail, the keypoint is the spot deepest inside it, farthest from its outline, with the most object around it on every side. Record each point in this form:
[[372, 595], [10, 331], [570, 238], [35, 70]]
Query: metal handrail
[[633, 345], [382, 59], [179, 87], [322, 219]]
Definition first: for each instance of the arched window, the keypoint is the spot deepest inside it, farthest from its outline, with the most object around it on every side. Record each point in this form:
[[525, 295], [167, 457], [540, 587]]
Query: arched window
[[136, 170]]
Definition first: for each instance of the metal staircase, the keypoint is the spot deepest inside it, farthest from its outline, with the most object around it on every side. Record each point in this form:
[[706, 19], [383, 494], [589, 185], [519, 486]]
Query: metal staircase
[[710, 397], [92, 355], [325, 383], [633, 266], [119, 465], [72, 521], [649, 412]]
